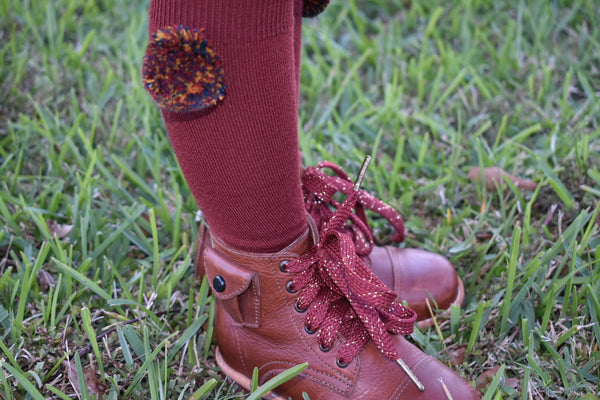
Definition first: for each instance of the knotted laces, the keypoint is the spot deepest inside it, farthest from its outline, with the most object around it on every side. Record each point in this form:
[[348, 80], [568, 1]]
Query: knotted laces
[[319, 190], [338, 291]]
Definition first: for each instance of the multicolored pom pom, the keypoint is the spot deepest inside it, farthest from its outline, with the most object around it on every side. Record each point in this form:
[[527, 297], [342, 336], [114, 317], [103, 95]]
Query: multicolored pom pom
[[312, 8], [181, 72]]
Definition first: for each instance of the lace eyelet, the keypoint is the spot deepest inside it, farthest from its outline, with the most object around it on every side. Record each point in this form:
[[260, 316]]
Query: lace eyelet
[[307, 330], [288, 287], [283, 265], [324, 349], [340, 364], [298, 309]]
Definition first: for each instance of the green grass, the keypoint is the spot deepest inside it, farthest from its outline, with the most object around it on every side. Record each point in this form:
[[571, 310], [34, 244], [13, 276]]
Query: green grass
[[429, 90]]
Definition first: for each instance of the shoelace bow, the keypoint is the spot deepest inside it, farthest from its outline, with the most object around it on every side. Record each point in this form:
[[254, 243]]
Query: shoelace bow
[[319, 190], [340, 292]]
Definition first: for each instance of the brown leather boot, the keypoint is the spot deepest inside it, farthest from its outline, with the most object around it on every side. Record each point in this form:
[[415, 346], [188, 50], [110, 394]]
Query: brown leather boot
[[417, 276], [318, 303]]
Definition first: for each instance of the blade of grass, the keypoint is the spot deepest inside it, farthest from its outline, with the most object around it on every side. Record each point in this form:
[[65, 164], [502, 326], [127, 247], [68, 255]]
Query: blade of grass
[[277, 381], [205, 389], [86, 318], [510, 280], [23, 381], [88, 283]]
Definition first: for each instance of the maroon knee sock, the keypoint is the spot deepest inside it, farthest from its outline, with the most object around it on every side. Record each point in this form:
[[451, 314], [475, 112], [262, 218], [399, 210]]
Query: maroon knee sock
[[298, 41], [238, 150]]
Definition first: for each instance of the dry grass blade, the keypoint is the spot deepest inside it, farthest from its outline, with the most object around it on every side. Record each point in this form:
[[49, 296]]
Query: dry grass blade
[[94, 385], [494, 177]]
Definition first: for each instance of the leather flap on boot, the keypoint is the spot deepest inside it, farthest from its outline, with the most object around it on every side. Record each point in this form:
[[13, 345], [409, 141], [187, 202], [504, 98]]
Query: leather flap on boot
[[235, 286]]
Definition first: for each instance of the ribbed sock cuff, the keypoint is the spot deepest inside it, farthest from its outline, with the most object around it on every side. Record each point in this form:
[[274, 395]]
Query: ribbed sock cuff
[[232, 21]]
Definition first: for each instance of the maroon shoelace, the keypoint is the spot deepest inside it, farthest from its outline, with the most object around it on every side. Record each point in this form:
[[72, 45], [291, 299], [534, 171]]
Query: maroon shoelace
[[319, 190], [339, 292]]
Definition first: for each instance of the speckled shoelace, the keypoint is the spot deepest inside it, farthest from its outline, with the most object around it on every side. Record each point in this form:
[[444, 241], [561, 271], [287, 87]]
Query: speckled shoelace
[[319, 190], [338, 291]]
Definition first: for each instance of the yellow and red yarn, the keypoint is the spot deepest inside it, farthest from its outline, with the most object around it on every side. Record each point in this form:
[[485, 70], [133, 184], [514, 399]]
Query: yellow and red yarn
[[181, 72], [312, 8]]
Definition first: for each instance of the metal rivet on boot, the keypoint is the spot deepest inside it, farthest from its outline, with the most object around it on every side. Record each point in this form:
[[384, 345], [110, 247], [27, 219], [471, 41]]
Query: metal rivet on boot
[[219, 284], [283, 265], [324, 349], [288, 287], [298, 309], [309, 331]]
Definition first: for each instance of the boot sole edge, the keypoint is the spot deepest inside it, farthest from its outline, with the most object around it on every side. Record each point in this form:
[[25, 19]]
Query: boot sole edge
[[239, 378], [459, 301]]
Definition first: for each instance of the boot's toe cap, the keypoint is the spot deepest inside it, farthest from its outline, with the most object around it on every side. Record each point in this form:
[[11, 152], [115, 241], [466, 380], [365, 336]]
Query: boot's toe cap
[[419, 275], [447, 384], [439, 381]]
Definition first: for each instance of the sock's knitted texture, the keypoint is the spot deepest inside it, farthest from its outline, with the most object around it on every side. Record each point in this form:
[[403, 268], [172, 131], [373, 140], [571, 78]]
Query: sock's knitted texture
[[237, 144]]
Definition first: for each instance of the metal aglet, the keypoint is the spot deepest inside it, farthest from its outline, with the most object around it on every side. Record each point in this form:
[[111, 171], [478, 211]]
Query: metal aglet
[[411, 374], [362, 172]]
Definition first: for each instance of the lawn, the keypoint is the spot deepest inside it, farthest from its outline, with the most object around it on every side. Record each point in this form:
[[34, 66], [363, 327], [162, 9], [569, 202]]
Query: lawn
[[97, 227]]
